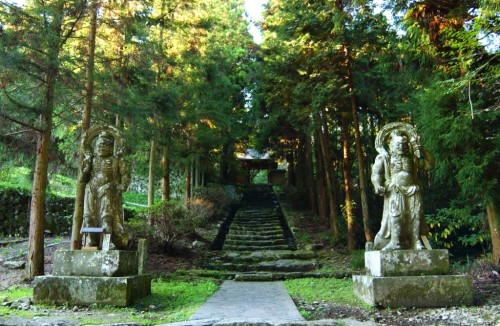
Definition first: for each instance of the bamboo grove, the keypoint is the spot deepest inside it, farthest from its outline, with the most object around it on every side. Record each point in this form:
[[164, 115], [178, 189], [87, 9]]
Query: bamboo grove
[[188, 86]]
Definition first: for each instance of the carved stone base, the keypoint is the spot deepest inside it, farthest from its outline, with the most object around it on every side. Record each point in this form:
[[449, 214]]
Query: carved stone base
[[86, 290], [414, 291]]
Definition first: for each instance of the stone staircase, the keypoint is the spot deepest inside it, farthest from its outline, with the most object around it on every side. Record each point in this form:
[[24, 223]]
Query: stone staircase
[[258, 243]]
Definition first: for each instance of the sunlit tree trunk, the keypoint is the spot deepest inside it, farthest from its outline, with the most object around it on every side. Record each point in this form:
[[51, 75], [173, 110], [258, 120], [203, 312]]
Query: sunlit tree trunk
[[86, 116], [346, 167]]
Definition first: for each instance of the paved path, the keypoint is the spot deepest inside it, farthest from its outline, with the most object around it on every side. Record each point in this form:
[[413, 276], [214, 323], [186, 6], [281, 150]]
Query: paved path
[[250, 302]]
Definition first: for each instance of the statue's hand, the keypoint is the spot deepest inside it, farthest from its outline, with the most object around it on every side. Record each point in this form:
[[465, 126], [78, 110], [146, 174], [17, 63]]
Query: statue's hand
[[416, 148], [380, 190], [103, 190]]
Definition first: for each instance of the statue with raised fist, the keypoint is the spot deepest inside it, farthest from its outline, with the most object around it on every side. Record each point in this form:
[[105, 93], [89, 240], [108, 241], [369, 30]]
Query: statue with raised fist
[[395, 176], [106, 176]]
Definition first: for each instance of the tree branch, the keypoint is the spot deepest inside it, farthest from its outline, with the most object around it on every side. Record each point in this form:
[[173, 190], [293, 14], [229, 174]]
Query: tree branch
[[3, 115]]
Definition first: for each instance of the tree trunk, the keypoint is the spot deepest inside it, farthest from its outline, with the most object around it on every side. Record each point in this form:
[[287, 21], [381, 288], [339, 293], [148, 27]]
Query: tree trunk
[[310, 175], [165, 178], [291, 168], [494, 224], [346, 167], [320, 184], [188, 180], [359, 151], [151, 177], [38, 192], [329, 176], [86, 116]]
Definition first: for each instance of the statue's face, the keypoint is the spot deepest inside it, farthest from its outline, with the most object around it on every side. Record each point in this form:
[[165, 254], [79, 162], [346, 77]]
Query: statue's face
[[103, 146], [398, 145]]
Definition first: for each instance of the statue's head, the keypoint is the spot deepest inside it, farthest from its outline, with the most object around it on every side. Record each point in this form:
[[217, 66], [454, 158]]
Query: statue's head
[[398, 144], [104, 144]]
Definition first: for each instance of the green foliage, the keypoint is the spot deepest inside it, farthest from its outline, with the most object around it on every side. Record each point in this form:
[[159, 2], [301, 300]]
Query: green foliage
[[218, 197], [169, 221], [450, 227]]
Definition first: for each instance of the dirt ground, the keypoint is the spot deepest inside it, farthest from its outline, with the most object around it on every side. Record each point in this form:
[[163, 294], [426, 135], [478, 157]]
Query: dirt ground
[[485, 311]]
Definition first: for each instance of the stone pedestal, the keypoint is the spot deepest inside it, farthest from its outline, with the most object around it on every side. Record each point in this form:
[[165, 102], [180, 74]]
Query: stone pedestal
[[85, 277], [411, 278]]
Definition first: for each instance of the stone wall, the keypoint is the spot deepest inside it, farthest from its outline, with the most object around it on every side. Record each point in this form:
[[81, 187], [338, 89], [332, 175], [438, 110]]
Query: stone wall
[[14, 213]]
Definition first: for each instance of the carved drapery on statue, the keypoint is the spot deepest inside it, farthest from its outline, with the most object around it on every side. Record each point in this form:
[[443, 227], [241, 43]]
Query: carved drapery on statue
[[106, 176], [395, 176]]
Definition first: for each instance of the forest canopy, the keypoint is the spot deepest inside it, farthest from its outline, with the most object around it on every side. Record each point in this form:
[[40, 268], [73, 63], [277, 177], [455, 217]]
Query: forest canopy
[[187, 85]]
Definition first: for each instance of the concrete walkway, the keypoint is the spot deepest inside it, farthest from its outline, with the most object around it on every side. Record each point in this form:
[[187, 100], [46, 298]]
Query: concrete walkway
[[255, 304], [250, 302]]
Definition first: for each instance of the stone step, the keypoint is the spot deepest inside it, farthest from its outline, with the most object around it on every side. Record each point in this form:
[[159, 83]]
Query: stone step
[[262, 225], [282, 265], [257, 243], [255, 248], [252, 233], [259, 229], [257, 256], [253, 237]]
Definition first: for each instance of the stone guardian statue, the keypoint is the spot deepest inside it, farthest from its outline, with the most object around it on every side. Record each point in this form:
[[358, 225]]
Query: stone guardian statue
[[106, 176], [395, 176]]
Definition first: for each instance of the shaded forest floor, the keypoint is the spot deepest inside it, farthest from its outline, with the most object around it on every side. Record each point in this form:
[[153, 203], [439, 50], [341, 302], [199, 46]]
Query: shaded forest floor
[[485, 311]]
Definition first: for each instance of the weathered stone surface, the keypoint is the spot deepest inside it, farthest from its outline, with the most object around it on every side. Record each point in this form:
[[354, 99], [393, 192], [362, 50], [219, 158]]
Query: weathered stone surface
[[15, 264], [407, 262], [95, 263], [414, 291], [84, 290]]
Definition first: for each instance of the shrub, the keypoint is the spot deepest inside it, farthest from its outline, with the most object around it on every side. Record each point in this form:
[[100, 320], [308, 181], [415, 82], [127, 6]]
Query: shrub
[[167, 222], [219, 199]]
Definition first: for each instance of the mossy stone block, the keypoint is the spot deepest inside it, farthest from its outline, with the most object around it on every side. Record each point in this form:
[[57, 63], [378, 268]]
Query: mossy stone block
[[86, 290], [407, 262], [414, 291], [95, 263]]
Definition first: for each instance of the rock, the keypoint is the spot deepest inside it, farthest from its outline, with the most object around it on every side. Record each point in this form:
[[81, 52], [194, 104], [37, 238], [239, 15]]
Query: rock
[[199, 245], [15, 264]]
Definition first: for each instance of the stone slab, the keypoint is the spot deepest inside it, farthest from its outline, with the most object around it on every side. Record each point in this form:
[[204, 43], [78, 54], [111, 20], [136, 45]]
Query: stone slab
[[407, 262], [414, 291], [87, 290], [95, 263], [267, 301]]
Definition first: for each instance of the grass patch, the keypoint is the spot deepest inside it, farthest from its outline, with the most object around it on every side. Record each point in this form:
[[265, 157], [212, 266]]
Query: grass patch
[[172, 299], [326, 290]]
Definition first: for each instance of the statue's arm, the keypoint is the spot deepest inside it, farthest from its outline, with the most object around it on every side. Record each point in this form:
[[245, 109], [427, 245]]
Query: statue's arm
[[124, 175], [427, 160], [378, 175], [86, 167]]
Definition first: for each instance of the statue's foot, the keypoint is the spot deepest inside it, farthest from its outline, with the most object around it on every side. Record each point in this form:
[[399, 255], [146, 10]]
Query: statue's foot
[[392, 246]]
